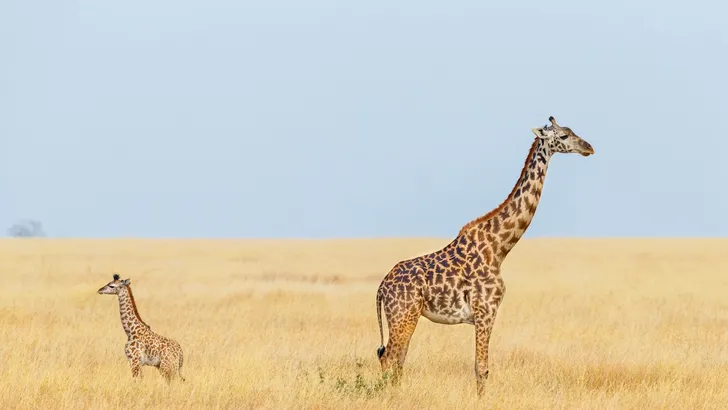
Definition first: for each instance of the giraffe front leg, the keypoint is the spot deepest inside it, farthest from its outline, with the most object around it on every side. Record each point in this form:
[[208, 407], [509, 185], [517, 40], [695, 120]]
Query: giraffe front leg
[[484, 313], [483, 329], [133, 353], [136, 367]]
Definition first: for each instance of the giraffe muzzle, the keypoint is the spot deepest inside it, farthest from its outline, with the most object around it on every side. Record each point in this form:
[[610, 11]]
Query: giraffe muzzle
[[587, 149]]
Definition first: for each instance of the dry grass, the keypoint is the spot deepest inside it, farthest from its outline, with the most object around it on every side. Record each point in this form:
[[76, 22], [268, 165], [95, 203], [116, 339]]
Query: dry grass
[[292, 324]]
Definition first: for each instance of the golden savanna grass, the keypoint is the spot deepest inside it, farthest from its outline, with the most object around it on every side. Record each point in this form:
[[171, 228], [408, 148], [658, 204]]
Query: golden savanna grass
[[590, 323]]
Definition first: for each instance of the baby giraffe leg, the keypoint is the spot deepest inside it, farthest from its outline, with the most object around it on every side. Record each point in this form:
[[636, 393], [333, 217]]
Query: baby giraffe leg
[[166, 368], [133, 353], [136, 367]]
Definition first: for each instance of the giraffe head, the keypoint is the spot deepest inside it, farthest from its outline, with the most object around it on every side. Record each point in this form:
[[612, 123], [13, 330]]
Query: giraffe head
[[562, 139], [113, 287]]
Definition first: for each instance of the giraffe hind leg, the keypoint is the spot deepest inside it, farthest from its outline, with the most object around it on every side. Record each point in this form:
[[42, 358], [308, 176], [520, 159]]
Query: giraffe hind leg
[[402, 316], [171, 367], [166, 371]]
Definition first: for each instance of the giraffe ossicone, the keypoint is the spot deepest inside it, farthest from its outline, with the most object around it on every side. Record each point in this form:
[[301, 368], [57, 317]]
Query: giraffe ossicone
[[143, 346], [461, 283]]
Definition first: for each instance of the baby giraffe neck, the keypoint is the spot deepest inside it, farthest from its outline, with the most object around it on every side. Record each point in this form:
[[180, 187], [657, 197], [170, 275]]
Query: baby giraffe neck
[[130, 319]]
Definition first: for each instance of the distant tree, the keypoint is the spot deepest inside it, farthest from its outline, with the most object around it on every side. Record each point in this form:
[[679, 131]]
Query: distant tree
[[27, 228]]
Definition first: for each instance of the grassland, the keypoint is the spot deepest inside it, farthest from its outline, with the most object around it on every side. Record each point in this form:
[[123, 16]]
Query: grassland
[[291, 324]]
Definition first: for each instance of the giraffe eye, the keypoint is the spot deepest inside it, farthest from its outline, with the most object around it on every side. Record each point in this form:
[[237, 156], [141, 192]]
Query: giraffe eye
[[563, 137]]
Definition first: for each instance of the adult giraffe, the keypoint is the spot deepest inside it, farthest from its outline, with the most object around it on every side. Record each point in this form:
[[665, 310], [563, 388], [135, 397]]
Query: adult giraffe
[[461, 283]]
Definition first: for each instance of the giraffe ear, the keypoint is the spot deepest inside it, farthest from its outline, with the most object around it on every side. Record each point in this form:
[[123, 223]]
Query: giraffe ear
[[126, 282], [539, 133]]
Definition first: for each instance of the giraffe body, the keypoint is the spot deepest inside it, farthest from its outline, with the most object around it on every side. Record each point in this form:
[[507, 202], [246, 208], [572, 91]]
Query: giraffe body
[[143, 346], [461, 283]]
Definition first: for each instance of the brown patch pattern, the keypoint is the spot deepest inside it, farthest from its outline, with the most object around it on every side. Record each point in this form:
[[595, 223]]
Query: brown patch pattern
[[143, 346], [461, 283]]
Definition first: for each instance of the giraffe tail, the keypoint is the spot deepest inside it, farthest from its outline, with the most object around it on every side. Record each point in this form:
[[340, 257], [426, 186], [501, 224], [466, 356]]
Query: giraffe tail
[[181, 361], [380, 350]]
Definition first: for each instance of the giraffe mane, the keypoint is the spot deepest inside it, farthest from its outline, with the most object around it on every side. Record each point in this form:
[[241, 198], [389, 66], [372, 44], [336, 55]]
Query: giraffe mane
[[500, 207], [134, 307]]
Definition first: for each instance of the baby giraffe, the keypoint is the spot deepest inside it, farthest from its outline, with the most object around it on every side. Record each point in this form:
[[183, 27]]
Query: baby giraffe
[[143, 347]]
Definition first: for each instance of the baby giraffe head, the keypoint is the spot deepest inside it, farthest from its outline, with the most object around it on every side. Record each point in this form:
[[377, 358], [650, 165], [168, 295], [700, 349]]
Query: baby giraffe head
[[562, 139], [113, 287]]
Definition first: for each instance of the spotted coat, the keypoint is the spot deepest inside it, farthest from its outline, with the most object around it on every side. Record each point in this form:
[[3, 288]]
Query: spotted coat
[[461, 283], [143, 346]]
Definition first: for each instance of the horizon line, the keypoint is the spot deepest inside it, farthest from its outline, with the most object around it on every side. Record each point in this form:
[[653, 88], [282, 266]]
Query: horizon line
[[334, 238]]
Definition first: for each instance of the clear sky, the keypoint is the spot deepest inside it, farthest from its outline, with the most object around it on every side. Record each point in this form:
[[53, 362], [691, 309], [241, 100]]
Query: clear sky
[[285, 118]]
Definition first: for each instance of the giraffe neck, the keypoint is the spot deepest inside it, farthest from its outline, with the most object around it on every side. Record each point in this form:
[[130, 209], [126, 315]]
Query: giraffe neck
[[498, 231], [130, 319]]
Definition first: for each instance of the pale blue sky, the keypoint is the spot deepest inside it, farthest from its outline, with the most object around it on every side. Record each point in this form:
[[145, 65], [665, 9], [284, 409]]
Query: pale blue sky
[[228, 118]]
